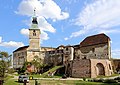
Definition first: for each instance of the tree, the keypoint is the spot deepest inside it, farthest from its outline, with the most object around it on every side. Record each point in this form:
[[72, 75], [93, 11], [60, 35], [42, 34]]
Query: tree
[[4, 57], [38, 64], [24, 68]]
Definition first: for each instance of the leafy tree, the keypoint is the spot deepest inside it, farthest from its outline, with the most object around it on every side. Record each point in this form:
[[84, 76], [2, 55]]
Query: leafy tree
[[38, 64], [24, 68], [4, 64]]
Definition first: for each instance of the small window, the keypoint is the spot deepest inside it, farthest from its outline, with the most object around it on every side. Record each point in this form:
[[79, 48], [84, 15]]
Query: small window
[[95, 54], [84, 57], [93, 50], [66, 48], [109, 67], [57, 51], [34, 33], [78, 57]]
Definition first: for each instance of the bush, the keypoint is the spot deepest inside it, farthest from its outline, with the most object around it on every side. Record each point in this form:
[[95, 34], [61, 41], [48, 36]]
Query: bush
[[110, 81], [91, 80], [117, 78], [84, 79], [98, 80]]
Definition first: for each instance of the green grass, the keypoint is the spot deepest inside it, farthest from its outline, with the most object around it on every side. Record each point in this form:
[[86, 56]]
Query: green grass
[[43, 76], [15, 82], [11, 82], [58, 82], [113, 75], [8, 77], [52, 70]]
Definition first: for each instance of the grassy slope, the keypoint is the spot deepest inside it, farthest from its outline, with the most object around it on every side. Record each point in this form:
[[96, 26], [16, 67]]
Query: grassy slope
[[52, 70]]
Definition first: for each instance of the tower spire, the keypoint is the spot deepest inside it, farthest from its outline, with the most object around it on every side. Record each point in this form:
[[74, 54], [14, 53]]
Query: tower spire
[[34, 11], [34, 21]]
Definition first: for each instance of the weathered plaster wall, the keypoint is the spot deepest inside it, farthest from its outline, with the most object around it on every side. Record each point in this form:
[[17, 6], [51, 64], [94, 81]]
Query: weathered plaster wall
[[107, 67], [93, 52]]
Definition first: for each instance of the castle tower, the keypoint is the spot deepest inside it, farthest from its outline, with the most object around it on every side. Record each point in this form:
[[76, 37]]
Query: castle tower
[[34, 35]]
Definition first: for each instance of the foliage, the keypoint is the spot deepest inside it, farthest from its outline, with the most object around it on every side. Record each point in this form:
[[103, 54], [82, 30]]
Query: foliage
[[84, 79], [2, 68], [4, 54], [23, 69], [110, 81], [38, 64], [117, 78], [11, 70]]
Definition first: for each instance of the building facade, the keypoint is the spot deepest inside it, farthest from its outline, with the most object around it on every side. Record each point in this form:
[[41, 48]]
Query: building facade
[[90, 58], [93, 57]]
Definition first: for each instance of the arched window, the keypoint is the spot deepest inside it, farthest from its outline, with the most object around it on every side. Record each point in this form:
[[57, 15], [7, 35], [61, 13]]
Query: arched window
[[100, 69], [34, 33]]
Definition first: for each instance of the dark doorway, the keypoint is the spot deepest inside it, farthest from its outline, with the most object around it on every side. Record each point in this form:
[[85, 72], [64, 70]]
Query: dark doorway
[[100, 69]]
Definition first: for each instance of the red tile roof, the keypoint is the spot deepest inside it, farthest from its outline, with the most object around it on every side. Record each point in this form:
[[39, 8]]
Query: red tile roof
[[94, 40]]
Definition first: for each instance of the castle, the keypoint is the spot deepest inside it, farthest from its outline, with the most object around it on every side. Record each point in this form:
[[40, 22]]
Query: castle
[[90, 58]]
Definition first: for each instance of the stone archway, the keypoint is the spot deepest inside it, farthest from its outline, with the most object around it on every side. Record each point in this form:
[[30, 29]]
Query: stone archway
[[100, 69]]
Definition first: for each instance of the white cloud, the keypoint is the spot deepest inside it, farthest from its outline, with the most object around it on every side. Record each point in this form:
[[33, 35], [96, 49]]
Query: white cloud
[[45, 26], [44, 36], [75, 34], [46, 8], [98, 16], [10, 43], [116, 53], [24, 31], [66, 38], [109, 31]]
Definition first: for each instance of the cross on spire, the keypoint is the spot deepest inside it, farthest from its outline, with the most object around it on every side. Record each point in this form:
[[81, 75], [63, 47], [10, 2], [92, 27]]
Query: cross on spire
[[34, 11]]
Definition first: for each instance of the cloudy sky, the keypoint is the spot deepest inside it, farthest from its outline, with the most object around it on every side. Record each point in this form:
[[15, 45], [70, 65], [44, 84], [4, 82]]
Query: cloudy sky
[[65, 22]]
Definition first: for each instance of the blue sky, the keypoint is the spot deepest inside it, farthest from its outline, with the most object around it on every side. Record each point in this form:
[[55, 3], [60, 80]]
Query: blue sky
[[62, 22]]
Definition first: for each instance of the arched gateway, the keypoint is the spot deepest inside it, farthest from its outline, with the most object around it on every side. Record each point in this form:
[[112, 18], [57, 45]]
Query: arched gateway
[[100, 69]]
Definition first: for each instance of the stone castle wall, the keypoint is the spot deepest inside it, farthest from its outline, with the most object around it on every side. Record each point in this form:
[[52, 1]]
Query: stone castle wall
[[100, 51], [81, 68]]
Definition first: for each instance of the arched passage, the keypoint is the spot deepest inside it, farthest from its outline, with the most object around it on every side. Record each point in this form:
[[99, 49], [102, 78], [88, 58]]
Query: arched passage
[[100, 69]]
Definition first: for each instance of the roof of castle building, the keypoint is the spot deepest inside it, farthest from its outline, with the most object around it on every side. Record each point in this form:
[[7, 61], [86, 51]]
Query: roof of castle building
[[25, 47], [95, 40], [21, 48]]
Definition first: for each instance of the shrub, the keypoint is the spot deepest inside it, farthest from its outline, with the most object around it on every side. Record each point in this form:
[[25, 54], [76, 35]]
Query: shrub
[[11, 70], [84, 79], [96, 80], [110, 81], [91, 80], [117, 78]]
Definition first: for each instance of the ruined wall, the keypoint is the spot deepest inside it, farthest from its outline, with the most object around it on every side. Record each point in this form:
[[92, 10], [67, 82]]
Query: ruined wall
[[100, 51], [116, 65], [81, 68], [88, 68], [53, 58]]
